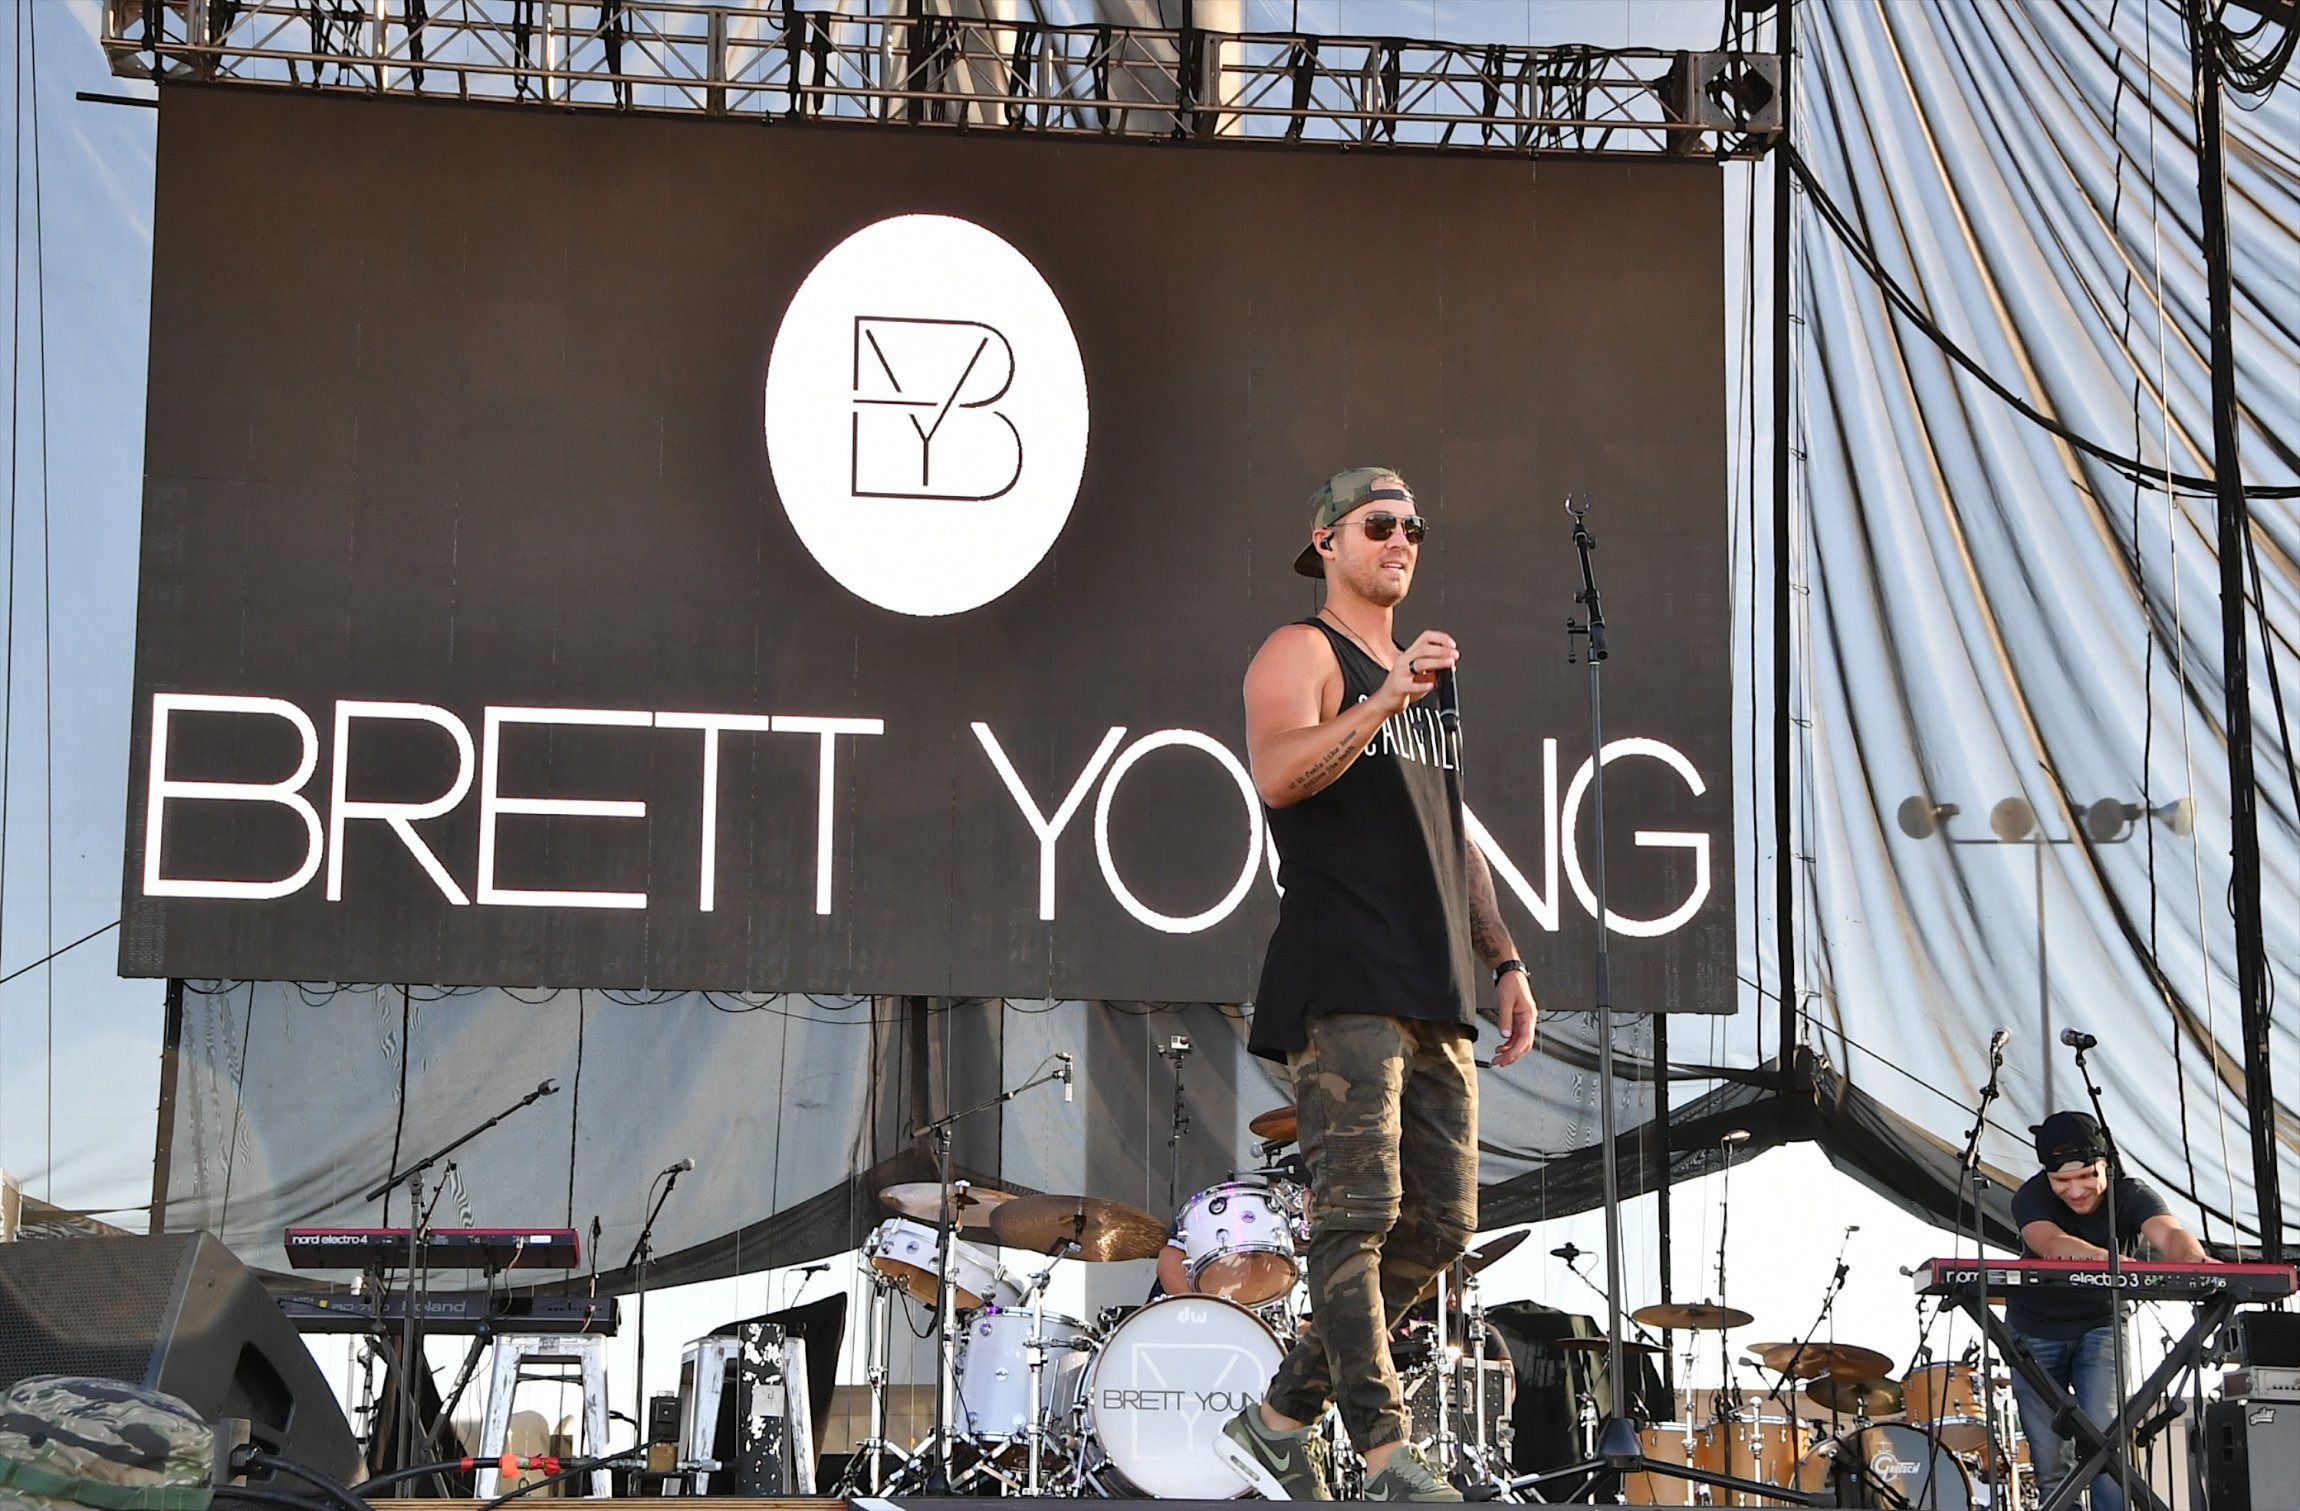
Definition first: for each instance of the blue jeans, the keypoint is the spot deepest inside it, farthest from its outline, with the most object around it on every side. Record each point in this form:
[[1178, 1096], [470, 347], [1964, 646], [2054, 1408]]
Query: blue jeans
[[2086, 1366]]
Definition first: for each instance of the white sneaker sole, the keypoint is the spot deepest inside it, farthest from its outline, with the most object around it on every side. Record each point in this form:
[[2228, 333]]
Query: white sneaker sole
[[1252, 1470]]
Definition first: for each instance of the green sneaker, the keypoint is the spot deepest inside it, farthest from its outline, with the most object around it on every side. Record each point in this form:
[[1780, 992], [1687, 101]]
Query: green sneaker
[[1410, 1476], [1283, 1466]]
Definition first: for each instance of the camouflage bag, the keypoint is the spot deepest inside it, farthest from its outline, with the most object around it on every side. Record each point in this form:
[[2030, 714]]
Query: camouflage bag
[[68, 1442]]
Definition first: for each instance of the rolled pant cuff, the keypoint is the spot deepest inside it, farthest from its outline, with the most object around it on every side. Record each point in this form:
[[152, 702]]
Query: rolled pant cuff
[[1298, 1408]]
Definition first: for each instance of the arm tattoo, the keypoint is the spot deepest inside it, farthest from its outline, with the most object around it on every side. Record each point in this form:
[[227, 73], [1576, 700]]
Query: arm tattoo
[[1327, 766], [1488, 935]]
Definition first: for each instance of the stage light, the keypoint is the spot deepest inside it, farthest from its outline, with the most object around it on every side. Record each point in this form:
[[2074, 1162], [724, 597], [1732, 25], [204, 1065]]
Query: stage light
[[1921, 817], [2012, 820]]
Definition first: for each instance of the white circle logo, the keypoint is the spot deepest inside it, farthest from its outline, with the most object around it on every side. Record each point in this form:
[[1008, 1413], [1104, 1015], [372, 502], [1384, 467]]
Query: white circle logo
[[926, 415]]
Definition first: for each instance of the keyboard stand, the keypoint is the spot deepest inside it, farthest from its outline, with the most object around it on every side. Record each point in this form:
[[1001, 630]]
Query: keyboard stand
[[2095, 1451]]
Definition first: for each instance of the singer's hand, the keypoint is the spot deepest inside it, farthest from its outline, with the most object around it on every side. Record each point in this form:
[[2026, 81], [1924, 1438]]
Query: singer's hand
[[1518, 1015], [1414, 675]]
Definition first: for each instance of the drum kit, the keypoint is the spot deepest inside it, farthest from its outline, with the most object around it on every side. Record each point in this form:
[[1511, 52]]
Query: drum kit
[[1128, 1404], [1921, 1441]]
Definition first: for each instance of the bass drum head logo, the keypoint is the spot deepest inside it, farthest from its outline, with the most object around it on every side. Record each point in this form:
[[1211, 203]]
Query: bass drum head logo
[[926, 415]]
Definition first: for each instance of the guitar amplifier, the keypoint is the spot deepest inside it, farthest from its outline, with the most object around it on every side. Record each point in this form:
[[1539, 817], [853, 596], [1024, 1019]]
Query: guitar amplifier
[[2251, 1454]]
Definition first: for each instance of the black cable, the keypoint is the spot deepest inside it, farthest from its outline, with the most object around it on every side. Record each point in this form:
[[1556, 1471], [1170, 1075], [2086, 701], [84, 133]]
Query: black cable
[[574, 1468], [1899, 298], [254, 1496], [330, 1488], [59, 950]]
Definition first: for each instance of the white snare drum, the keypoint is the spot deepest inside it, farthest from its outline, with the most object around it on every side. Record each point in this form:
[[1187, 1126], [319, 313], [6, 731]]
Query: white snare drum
[[1161, 1386], [904, 1250], [1238, 1243], [994, 1371]]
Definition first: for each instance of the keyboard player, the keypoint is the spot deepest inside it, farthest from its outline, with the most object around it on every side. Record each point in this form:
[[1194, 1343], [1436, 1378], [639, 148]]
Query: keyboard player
[[2062, 1212]]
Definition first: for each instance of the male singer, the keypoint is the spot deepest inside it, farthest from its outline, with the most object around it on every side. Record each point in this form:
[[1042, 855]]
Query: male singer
[[1369, 989], [2062, 1211]]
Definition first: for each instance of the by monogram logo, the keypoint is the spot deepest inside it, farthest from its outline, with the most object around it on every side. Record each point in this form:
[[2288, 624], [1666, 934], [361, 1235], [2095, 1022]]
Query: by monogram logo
[[926, 415]]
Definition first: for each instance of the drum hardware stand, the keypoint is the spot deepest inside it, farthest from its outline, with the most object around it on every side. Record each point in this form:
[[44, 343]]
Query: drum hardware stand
[[1035, 1352], [878, 1340], [1998, 1465], [1618, 1448], [939, 1443]]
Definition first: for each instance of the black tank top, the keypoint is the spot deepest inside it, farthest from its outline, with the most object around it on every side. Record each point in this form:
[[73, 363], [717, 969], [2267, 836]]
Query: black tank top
[[1375, 916]]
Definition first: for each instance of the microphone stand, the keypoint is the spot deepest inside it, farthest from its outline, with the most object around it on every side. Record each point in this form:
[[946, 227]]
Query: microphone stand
[[1618, 1448], [419, 1266], [946, 1315], [2117, 1414], [1994, 1464], [1617, 1438], [643, 1255]]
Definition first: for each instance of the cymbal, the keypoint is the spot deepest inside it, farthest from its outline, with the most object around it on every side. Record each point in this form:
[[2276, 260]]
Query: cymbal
[[1277, 1126], [1486, 1253], [921, 1199], [1599, 1346], [1866, 1398], [1695, 1314], [1102, 1230], [1807, 1361]]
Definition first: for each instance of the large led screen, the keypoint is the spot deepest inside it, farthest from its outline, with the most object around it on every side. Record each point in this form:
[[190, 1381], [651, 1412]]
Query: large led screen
[[586, 550]]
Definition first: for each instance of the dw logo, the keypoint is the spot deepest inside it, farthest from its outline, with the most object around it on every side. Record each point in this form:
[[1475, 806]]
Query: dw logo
[[926, 415]]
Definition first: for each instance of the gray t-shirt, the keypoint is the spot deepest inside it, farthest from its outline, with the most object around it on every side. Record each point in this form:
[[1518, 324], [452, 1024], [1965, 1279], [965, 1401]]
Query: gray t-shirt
[[2065, 1314]]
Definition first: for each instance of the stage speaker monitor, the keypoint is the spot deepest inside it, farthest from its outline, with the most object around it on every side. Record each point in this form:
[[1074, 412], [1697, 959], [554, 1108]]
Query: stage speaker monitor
[[2251, 1454], [174, 1312]]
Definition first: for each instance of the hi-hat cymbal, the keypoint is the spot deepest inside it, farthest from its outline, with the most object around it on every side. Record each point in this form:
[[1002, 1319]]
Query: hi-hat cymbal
[[1102, 1230], [1277, 1126], [1806, 1361], [921, 1199], [1695, 1314], [1599, 1346], [1486, 1253], [1866, 1398]]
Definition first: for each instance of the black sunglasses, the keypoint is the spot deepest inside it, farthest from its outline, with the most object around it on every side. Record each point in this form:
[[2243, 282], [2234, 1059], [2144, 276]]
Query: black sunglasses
[[1379, 524]]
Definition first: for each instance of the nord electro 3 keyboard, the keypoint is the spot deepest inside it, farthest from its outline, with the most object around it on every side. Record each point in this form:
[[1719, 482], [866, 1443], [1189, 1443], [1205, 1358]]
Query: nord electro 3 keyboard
[[444, 1249], [467, 1312], [2136, 1280]]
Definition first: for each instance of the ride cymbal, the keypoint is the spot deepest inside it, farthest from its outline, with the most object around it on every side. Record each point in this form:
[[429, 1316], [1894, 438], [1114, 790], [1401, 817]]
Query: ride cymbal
[[1277, 1126], [1693, 1314], [922, 1199], [1808, 1361], [1102, 1230], [1864, 1398]]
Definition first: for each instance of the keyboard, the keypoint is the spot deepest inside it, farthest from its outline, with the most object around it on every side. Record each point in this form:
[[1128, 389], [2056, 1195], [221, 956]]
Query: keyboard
[[2137, 1279], [444, 1249], [466, 1312]]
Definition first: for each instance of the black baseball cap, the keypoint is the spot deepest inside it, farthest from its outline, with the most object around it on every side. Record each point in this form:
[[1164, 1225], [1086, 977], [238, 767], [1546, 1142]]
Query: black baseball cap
[[2068, 1139]]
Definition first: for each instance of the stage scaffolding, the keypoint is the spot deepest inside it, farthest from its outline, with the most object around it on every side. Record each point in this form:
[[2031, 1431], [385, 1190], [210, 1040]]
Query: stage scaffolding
[[916, 66]]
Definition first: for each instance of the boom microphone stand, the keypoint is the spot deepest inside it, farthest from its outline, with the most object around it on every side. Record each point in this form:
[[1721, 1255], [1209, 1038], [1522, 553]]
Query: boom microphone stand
[[418, 1267], [2120, 1419], [1996, 1465]]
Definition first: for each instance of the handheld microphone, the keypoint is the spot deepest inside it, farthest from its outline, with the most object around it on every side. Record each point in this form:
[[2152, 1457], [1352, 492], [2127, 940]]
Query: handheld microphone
[[681, 1168], [2078, 1040], [1997, 1043], [1069, 1091], [548, 1088], [1566, 1252], [1737, 1136]]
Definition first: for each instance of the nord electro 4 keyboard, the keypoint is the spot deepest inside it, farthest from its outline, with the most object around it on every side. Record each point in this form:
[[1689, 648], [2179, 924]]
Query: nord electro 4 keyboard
[[2136, 1279], [443, 1249]]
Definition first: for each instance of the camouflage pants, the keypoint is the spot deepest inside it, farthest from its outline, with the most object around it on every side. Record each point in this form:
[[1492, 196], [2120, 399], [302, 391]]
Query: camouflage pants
[[1388, 1116]]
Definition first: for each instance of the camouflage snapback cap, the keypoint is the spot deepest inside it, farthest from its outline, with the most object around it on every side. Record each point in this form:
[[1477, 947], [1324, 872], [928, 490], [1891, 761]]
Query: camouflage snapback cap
[[68, 1442], [1341, 493]]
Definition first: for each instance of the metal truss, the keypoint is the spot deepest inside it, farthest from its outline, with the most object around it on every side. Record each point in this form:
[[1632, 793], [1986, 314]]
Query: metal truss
[[773, 61]]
